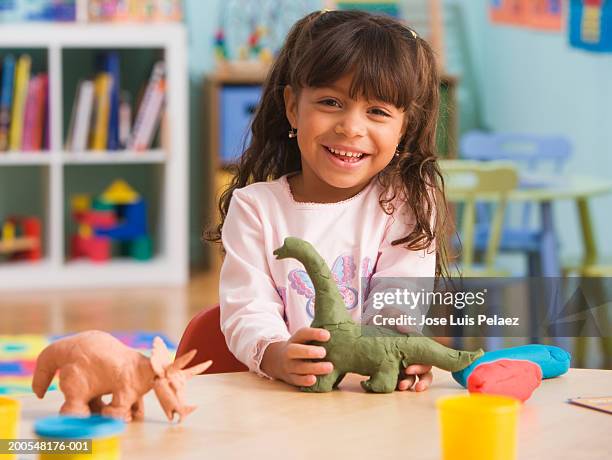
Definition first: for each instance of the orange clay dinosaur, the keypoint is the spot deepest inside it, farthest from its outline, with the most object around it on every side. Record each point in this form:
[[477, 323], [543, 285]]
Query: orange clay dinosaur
[[94, 363]]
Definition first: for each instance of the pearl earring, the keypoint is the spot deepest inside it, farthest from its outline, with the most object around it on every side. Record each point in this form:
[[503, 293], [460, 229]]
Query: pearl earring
[[292, 133]]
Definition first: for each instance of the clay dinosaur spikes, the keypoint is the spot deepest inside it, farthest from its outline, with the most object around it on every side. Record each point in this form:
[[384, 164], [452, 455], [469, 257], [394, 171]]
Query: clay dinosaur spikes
[[182, 361], [327, 294]]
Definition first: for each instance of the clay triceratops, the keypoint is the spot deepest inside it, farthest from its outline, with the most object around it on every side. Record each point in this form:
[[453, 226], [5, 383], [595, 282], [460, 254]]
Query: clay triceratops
[[92, 364]]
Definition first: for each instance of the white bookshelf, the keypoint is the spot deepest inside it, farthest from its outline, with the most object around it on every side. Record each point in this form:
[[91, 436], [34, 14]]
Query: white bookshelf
[[169, 266]]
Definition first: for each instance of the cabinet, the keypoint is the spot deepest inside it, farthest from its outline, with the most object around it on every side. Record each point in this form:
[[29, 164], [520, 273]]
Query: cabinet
[[56, 173]]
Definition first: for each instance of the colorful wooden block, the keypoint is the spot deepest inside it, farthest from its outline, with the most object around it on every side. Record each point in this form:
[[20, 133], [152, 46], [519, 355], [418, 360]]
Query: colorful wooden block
[[101, 219], [80, 203], [21, 238], [120, 192], [132, 223], [119, 214]]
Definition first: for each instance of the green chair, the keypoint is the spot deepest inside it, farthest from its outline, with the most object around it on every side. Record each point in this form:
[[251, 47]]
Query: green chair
[[471, 182]]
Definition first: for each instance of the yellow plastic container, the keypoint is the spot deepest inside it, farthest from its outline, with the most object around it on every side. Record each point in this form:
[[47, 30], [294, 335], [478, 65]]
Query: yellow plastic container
[[9, 422], [103, 431], [478, 427]]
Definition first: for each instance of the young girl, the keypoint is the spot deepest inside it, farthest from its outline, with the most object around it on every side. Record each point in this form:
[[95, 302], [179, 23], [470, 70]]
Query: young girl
[[343, 156]]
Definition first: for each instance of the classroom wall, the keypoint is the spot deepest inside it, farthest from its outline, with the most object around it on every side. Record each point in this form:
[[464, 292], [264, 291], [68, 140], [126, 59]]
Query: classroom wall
[[532, 81], [201, 20]]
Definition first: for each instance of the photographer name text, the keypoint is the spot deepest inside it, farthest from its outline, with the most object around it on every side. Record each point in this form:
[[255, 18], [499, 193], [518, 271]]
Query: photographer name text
[[452, 320]]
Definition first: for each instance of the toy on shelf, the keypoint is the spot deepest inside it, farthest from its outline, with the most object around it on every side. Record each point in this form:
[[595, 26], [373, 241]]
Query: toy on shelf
[[515, 371], [367, 350], [118, 214], [92, 364], [21, 238]]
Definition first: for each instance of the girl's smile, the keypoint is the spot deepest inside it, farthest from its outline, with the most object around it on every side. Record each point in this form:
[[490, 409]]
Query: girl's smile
[[345, 157]]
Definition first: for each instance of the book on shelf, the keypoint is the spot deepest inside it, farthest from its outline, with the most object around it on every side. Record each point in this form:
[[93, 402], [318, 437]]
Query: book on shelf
[[102, 88], [164, 133], [125, 118], [47, 128], [23, 106], [150, 110], [101, 117], [40, 120], [6, 98], [29, 115], [110, 64], [80, 120], [22, 77], [95, 111], [33, 126]]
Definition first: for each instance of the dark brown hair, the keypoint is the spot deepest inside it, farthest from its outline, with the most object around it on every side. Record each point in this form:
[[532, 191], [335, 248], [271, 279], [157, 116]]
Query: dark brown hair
[[388, 62]]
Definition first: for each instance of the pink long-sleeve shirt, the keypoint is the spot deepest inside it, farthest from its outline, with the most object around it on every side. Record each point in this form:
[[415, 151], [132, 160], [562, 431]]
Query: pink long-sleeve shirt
[[265, 300]]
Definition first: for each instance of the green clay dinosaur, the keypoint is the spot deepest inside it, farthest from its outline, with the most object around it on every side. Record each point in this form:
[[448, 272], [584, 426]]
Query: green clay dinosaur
[[373, 351]]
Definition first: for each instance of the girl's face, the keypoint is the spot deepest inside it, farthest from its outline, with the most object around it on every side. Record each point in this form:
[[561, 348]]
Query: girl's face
[[343, 142]]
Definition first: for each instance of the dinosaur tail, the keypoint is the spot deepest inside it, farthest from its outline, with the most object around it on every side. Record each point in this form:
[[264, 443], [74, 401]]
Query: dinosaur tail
[[44, 372], [426, 350]]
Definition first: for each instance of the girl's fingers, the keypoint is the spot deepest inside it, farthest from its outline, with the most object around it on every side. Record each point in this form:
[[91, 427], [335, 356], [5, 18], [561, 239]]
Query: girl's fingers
[[308, 368], [307, 334], [406, 383], [424, 381], [300, 351], [302, 380], [417, 369]]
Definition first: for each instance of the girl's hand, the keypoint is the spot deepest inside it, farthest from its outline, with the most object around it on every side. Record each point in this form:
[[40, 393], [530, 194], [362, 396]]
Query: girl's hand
[[422, 371], [290, 361]]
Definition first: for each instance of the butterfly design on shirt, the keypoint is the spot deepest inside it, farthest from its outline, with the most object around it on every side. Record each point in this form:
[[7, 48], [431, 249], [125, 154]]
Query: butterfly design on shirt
[[367, 270], [343, 272]]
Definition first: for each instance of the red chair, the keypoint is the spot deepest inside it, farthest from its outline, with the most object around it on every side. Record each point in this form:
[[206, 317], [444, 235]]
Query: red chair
[[204, 334]]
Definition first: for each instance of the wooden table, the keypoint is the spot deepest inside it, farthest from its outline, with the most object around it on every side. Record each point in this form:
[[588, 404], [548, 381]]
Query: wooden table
[[243, 416]]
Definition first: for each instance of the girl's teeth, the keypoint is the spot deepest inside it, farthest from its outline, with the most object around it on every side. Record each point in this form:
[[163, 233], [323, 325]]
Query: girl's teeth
[[347, 157], [346, 154]]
